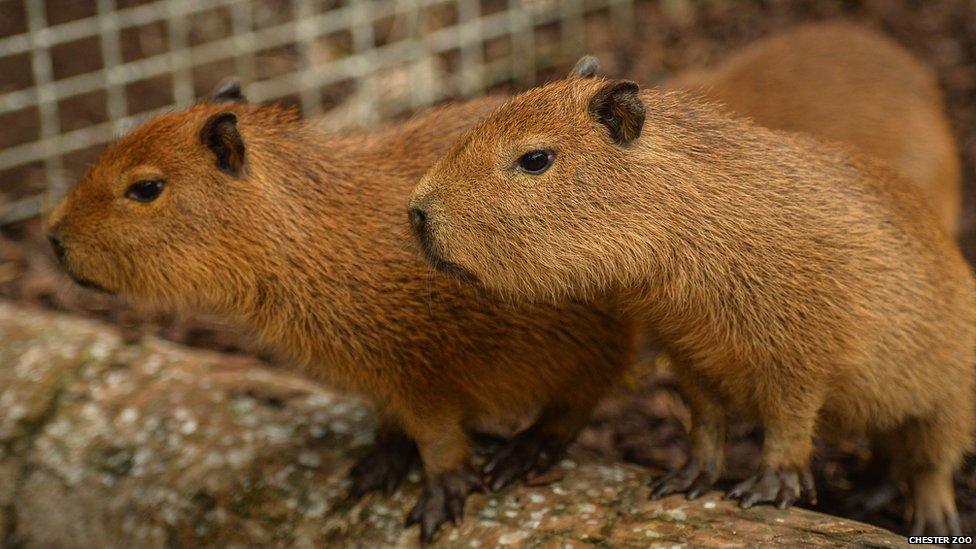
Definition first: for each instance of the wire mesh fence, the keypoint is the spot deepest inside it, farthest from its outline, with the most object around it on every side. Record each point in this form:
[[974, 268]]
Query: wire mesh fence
[[74, 75]]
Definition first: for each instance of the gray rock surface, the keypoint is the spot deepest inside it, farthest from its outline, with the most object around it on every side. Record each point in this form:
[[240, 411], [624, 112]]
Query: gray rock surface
[[107, 443]]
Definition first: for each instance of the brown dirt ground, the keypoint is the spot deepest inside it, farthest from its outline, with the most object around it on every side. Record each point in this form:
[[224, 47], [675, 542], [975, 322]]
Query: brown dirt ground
[[644, 424]]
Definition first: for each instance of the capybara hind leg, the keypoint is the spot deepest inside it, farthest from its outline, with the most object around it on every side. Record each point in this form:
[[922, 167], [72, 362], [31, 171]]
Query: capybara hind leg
[[386, 464], [784, 476], [533, 451], [930, 452], [708, 426], [934, 504]]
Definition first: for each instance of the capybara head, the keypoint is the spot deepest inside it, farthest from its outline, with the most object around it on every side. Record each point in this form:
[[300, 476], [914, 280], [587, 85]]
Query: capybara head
[[167, 213], [522, 200]]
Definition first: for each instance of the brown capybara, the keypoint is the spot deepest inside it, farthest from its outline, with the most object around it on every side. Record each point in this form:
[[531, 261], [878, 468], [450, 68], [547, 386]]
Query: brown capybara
[[842, 82], [243, 210], [791, 281]]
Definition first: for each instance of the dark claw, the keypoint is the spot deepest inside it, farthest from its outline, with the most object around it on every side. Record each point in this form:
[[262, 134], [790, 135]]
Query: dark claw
[[808, 487], [414, 516], [779, 487], [455, 509], [701, 486], [955, 529], [442, 500], [940, 526], [530, 453], [760, 488], [785, 500], [740, 489], [694, 478], [383, 467], [918, 526]]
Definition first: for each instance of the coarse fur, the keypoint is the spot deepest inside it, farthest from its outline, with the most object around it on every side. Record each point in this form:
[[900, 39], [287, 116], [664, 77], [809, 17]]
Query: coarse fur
[[847, 83], [302, 238], [792, 281]]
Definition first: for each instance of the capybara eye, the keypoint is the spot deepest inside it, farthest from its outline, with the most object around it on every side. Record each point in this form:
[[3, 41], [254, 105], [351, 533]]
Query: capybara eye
[[536, 162], [145, 191]]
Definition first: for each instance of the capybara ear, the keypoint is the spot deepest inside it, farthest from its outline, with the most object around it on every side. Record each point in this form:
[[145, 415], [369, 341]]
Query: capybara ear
[[586, 67], [227, 91], [220, 135], [618, 106]]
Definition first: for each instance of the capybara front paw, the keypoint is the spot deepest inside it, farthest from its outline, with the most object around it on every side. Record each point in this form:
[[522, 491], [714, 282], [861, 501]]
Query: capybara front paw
[[694, 479], [780, 487], [527, 455], [384, 466], [442, 500]]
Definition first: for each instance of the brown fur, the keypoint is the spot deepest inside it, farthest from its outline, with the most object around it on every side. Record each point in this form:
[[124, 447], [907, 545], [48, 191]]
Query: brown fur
[[843, 82], [310, 249], [792, 282]]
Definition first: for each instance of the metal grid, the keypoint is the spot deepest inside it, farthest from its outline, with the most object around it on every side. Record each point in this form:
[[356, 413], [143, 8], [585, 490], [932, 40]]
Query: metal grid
[[413, 66]]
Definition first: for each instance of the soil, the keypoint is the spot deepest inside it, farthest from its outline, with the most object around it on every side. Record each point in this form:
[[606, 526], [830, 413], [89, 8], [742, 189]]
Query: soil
[[646, 422]]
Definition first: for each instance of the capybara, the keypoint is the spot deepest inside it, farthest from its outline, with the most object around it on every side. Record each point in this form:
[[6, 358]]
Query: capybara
[[792, 281], [844, 82]]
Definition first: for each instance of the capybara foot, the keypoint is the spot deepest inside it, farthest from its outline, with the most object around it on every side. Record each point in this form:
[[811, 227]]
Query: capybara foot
[[530, 453], [694, 479], [781, 487], [442, 500], [934, 505], [935, 522], [384, 466]]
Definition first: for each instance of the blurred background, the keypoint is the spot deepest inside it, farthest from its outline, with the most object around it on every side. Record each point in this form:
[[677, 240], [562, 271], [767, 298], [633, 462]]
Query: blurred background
[[74, 74]]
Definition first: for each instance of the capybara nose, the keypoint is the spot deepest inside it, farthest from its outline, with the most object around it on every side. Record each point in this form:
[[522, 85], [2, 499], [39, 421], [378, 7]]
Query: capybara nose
[[58, 246], [418, 218]]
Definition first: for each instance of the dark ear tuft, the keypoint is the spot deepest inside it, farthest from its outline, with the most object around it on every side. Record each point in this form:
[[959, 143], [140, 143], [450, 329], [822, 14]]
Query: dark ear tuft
[[227, 91], [586, 67], [618, 106], [220, 135]]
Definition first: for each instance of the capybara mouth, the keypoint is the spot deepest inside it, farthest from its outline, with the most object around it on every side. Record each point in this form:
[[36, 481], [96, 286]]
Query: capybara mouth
[[62, 257], [79, 280], [435, 259], [89, 284], [447, 267], [453, 269]]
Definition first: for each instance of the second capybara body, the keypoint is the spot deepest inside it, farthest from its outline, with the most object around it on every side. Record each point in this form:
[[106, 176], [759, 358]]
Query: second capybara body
[[847, 83], [791, 281]]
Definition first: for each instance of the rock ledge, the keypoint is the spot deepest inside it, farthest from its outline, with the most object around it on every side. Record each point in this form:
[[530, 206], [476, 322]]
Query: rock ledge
[[106, 443]]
